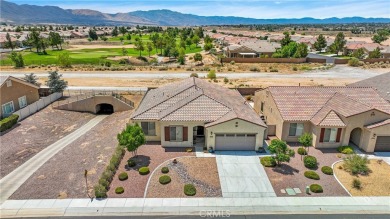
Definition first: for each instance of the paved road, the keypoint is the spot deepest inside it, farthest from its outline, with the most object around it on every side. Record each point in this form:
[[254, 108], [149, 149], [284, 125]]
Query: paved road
[[11, 182], [242, 176], [318, 56]]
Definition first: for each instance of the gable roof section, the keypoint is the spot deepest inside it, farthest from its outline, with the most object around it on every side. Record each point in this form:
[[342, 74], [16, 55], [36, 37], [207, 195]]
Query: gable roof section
[[331, 119], [3, 79], [378, 124], [381, 83]]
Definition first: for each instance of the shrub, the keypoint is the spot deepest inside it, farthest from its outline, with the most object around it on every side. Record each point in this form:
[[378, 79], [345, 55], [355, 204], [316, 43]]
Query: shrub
[[345, 149], [165, 170], [225, 80], [302, 151], [164, 179], [104, 182], [123, 176], [310, 161], [356, 164], [274, 70], [295, 68], [8, 122], [100, 191], [268, 161], [254, 68], [143, 170], [354, 62], [189, 190], [232, 62], [119, 190], [107, 64], [195, 75], [357, 184], [211, 74], [115, 160], [107, 175], [111, 167], [327, 170], [316, 188], [131, 163], [311, 175]]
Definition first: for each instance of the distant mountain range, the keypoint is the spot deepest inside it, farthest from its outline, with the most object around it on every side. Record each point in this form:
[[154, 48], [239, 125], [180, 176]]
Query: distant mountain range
[[32, 14]]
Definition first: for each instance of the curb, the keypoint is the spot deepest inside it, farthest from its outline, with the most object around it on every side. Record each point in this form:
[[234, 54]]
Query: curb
[[338, 179]]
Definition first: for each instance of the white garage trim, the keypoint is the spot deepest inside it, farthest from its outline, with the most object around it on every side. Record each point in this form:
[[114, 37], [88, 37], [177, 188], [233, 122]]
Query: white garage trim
[[235, 141]]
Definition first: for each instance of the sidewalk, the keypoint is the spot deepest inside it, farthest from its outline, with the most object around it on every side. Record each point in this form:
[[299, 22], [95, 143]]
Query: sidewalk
[[193, 206]]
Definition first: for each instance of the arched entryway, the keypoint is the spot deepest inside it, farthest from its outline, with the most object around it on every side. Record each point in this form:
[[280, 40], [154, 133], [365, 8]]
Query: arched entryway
[[355, 136], [104, 108]]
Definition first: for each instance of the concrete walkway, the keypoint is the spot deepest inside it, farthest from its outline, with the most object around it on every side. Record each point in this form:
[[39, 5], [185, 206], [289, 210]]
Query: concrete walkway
[[11, 182], [242, 176], [194, 206]]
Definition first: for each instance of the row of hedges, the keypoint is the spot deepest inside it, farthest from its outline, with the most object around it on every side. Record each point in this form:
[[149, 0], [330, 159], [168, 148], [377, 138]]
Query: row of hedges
[[8, 122], [107, 176]]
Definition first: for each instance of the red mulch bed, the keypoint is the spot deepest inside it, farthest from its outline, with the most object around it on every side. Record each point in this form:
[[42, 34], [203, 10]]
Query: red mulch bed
[[290, 175], [151, 155]]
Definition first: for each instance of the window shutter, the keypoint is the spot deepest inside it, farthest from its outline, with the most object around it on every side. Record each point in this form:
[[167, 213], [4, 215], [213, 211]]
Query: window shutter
[[185, 133], [167, 133], [322, 135], [338, 135]]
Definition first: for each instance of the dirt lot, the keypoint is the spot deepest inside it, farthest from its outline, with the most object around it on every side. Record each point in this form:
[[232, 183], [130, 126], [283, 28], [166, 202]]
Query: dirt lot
[[63, 175], [201, 172], [290, 175], [35, 133], [377, 183], [150, 155]]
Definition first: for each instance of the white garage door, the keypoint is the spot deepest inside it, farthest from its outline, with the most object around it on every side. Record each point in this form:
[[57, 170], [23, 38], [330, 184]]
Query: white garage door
[[382, 143], [235, 142]]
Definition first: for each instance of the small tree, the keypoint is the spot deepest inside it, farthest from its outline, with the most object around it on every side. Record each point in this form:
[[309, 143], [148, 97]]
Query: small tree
[[306, 140], [32, 79], [125, 52], [376, 54], [339, 43], [280, 151], [198, 57], [55, 83], [132, 137], [17, 59], [286, 40], [320, 44], [359, 53], [182, 58], [64, 60], [149, 47], [139, 46], [195, 40]]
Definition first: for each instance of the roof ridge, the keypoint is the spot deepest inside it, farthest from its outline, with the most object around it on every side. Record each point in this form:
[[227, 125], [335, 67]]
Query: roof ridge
[[323, 106], [180, 103], [354, 99]]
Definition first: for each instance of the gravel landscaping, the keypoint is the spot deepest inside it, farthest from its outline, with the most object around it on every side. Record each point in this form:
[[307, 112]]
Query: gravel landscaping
[[35, 133], [376, 183], [201, 172], [291, 175], [63, 175], [150, 155]]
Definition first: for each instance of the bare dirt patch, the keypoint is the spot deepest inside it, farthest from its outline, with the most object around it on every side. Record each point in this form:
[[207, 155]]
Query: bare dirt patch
[[35, 133], [150, 155], [377, 183], [201, 172], [290, 175]]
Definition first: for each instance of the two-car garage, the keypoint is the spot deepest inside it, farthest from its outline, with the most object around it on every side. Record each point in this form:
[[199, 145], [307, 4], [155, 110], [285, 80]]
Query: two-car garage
[[232, 142], [382, 144]]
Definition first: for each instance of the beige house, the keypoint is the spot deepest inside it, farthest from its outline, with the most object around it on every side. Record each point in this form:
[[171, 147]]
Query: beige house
[[15, 94], [194, 112], [335, 116]]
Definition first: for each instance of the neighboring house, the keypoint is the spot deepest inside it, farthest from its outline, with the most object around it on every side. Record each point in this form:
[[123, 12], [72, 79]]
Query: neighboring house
[[335, 116], [380, 83], [15, 94], [251, 49], [194, 112], [367, 47], [385, 52]]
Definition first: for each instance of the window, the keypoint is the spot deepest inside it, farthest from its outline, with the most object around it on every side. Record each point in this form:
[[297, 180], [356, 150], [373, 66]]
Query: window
[[262, 107], [296, 129], [330, 135], [149, 128], [9, 83], [22, 101], [176, 133], [8, 108]]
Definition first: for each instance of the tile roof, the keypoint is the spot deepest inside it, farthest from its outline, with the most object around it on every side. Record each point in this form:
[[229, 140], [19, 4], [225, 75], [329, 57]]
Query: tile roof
[[195, 99], [315, 103], [378, 124], [380, 83], [332, 119]]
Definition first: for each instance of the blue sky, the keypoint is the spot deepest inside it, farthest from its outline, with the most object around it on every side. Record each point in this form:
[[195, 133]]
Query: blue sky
[[242, 8]]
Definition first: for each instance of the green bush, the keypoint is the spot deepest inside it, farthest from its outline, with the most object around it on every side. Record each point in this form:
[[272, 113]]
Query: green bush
[[165, 170], [327, 170], [8, 122], [100, 191], [357, 184], [356, 164], [295, 68], [131, 163], [354, 62], [311, 175], [107, 175], [164, 179], [119, 190], [104, 182], [211, 74], [345, 149], [302, 151], [310, 162], [189, 190], [123, 176], [268, 161], [111, 167], [143, 170], [316, 188], [195, 75]]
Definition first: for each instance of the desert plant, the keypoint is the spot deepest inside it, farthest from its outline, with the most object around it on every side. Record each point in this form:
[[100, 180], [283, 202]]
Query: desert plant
[[316, 188], [345, 149], [131, 163], [144, 170], [357, 184], [104, 182], [225, 80], [189, 190], [123, 176], [165, 170], [356, 164], [327, 170], [354, 62], [100, 191], [195, 75], [119, 190], [164, 179], [310, 162], [302, 151], [311, 175], [268, 161], [211, 74]]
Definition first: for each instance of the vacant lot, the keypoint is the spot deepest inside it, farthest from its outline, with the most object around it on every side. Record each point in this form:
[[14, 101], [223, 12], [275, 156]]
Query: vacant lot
[[377, 183], [35, 133]]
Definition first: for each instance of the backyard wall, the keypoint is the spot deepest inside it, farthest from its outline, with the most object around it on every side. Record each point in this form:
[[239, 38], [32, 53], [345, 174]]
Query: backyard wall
[[264, 60]]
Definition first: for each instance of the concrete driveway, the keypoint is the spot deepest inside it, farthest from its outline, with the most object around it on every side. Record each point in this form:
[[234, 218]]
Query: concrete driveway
[[242, 176]]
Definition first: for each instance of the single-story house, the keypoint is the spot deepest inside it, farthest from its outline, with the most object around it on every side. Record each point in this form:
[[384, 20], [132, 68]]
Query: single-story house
[[335, 116], [15, 94], [251, 49], [194, 112], [381, 83], [385, 52]]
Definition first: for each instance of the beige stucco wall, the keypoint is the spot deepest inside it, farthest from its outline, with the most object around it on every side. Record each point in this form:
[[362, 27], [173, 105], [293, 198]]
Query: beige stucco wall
[[156, 137], [89, 104], [188, 143], [15, 91], [370, 136], [230, 127], [286, 129]]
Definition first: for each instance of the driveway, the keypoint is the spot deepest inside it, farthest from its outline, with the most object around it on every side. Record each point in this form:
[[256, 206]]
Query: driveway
[[242, 176]]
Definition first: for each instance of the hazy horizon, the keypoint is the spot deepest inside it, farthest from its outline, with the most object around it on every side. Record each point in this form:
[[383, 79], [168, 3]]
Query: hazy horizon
[[260, 9]]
